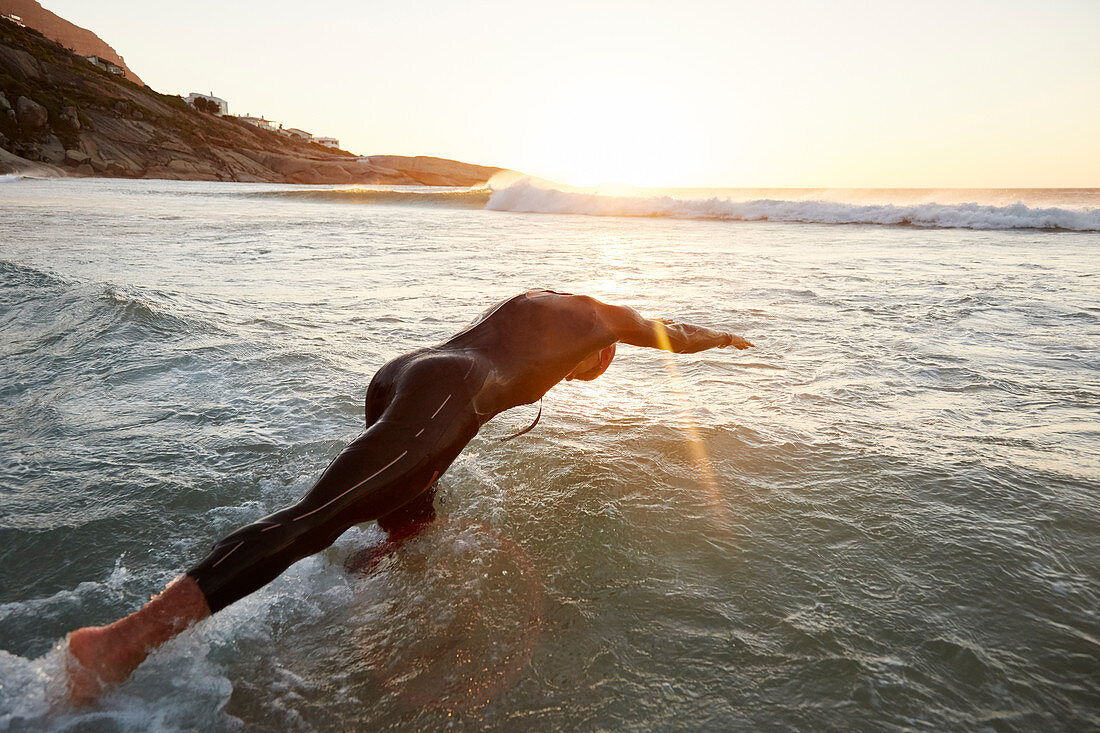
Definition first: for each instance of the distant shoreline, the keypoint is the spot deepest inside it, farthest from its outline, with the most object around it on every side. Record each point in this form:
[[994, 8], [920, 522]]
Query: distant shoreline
[[61, 115]]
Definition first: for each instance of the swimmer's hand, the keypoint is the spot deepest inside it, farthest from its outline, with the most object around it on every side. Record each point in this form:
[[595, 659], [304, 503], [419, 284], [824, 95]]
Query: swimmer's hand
[[686, 338], [737, 342], [630, 327]]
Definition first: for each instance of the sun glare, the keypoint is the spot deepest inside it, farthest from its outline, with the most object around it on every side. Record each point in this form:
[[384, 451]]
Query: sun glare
[[630, 133]]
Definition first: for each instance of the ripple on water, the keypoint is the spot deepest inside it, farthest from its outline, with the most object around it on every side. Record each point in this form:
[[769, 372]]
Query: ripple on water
[[880, 518]]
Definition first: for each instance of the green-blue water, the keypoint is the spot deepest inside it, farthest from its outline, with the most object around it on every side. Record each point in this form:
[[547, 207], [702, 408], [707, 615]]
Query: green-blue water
[[884, 517]]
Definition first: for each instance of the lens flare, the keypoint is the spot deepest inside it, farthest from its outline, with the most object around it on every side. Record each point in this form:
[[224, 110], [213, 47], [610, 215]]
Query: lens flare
[[693, 438]]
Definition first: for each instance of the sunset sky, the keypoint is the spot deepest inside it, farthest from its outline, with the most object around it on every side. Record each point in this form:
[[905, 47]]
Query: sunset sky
[[990, 93]]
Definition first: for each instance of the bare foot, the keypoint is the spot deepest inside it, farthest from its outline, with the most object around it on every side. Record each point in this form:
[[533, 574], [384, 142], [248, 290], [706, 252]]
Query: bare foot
[[86, 670], [100, 656]]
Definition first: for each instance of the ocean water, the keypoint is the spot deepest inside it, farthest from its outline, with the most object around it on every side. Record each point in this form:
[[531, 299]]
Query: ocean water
[[884, 517]]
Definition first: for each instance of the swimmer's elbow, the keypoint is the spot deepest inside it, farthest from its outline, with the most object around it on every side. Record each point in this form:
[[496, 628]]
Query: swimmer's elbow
[[630, 327]]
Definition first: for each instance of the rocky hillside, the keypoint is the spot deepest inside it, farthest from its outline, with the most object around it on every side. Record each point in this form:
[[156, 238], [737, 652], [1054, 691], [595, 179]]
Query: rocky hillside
[[59, 115], [80, 40]]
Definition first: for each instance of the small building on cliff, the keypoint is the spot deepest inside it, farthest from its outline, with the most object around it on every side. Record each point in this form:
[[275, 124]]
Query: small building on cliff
[[223, 106], [328, 142], [295, 132], [258, 122], [106, 65]]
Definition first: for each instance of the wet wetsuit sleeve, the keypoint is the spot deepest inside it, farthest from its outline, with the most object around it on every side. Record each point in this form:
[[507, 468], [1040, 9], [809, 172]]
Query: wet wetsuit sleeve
[[393, 462], [630, 327]]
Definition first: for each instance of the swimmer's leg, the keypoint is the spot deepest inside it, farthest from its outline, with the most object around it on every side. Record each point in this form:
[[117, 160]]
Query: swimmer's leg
[[387, 467], [394, 461]]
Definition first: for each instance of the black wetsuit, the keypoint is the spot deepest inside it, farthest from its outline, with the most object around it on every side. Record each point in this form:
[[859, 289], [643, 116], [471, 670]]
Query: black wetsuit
[[421, 411]]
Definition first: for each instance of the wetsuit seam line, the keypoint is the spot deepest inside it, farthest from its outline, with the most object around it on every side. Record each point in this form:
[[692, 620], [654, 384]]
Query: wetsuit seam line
[[235, 548], [445, 401], [353, 488]]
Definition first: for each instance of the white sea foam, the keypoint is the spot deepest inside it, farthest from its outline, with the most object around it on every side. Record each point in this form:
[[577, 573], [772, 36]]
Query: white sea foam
[[535, 197], [184, 685], [11, 177]]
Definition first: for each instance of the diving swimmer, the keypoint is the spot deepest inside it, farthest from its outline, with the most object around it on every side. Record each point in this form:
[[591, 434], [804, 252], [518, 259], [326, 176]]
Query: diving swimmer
[[422, 409]]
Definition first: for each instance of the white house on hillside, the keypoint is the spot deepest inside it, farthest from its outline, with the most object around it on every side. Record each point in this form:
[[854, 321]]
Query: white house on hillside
[[106, 65], [328, 142], [223, 106], [297, 133], [258, 122]]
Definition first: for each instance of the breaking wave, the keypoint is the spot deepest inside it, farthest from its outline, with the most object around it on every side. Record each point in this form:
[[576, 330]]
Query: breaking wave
[[526, 196]]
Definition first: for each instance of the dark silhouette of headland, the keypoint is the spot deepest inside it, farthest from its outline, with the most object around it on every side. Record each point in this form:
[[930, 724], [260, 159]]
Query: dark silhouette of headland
[[70, 106]]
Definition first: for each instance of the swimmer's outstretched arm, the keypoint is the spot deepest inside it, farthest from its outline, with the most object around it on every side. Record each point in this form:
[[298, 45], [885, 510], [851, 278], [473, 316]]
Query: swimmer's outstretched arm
[[682, 338]]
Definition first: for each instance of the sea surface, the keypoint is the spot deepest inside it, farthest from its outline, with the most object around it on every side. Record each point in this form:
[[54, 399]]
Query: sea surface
[[883, 517]]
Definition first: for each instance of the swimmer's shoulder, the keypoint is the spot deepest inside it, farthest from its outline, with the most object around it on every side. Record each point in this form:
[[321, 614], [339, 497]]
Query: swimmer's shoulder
[[581, 306], [559, 299], [578, 314]]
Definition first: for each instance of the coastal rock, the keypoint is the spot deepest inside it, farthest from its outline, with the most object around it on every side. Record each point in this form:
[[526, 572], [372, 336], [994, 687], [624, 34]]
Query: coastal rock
[[118, 169], [4, 103], [88, 146], [51, 150], [182, 170], [31, 114], [182, 166], [240, 167], [19, 63], [75, 157], [70, 115], [298, 170], [12, 163], [430, 171]]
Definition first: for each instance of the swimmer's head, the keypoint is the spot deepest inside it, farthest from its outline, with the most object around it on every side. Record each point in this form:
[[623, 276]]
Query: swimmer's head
[[593, 365]]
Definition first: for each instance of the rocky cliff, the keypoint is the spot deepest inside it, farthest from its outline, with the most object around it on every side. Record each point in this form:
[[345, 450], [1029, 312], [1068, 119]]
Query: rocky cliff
[[60, 115], [71, 36]]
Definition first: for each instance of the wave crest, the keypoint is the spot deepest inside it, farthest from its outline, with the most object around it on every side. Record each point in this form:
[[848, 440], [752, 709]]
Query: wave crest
[[526, 196]]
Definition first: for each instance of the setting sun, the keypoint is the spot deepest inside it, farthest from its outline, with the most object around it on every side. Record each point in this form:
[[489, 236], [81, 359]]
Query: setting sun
[[629, 132]]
